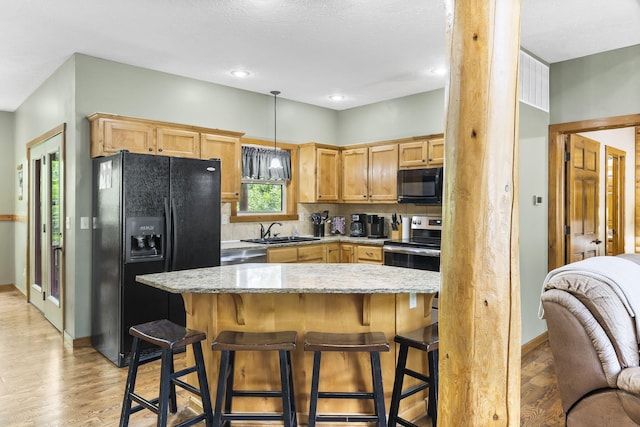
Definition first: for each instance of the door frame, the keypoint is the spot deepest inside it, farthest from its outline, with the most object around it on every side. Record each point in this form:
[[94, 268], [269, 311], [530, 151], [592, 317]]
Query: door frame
[[618, 197], [557, 178], [58, 130]]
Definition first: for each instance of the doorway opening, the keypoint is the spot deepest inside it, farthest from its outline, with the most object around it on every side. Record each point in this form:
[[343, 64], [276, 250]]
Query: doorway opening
[[558, 211]]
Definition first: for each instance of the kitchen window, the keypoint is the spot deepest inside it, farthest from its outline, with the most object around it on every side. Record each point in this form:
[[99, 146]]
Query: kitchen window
[[266, 194]]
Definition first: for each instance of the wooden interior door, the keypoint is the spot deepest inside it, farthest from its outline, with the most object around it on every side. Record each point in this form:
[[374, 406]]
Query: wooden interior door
[[614, 210], [583, 171]]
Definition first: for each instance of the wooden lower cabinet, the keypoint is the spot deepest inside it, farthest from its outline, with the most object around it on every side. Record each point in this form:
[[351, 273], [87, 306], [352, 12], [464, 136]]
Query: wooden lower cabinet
[[347, 252], [332, 252], [365, 254], [305, 253], [327, 253], [369, 254]]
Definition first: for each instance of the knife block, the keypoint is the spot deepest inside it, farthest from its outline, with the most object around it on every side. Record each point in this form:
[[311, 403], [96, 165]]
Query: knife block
[[397, 234]]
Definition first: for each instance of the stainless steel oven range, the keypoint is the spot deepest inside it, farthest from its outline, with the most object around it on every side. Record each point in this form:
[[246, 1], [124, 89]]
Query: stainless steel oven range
[[421, 250]]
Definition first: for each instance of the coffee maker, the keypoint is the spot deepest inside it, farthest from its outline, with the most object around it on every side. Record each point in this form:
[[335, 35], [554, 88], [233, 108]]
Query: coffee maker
[[358, 225], [377, 226]]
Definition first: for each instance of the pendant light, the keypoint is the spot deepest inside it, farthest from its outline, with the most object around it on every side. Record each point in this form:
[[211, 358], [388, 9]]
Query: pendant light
[[275, 160]]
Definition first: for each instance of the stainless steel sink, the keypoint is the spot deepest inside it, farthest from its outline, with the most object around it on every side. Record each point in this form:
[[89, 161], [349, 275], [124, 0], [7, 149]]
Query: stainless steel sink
[[284, 239]]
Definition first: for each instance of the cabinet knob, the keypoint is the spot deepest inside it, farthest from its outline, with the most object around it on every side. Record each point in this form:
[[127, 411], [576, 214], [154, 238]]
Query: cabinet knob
[[160, 150], [150, 149], [237, 194], [423, 160], [364, 196]]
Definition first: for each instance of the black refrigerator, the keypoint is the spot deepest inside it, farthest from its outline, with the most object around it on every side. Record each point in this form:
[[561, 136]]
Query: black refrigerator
[[150, 214]]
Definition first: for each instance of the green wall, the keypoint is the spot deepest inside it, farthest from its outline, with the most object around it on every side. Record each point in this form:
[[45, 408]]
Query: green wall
[[8, 196], [596, 86]]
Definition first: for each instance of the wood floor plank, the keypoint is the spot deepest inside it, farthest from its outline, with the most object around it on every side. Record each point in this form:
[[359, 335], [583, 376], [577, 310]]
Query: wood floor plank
[[46, 382]]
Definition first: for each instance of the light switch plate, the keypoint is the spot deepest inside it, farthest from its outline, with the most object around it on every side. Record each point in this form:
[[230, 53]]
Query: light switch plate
[[84, 222]]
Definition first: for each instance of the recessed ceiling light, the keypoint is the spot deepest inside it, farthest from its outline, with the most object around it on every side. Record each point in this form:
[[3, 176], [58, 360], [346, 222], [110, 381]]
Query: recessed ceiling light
[[439, 71], [336, 97], [240, 73]]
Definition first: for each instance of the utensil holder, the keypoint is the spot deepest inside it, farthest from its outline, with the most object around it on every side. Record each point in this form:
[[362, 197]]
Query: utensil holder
[[318, 230]]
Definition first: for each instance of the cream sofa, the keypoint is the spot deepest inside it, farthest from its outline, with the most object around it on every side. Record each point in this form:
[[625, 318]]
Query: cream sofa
[[592, 310]]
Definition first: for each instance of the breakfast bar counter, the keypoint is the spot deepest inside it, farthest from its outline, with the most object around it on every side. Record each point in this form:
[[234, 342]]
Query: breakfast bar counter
[[306, 297]]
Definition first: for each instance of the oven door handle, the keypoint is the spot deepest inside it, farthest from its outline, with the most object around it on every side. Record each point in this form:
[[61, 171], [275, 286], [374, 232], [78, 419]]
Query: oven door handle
[[411, 251]]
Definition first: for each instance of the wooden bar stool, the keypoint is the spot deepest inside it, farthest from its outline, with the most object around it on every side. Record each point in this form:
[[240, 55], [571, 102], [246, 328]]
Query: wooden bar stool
[[371, 342], [425, 339], [228, 342], [169, 337]]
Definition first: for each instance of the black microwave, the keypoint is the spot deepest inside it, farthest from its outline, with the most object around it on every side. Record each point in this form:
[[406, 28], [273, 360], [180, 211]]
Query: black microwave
[[420, 186]]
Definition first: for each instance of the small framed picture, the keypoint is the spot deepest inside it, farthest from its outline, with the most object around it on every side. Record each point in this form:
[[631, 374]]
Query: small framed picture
[[20, 182]]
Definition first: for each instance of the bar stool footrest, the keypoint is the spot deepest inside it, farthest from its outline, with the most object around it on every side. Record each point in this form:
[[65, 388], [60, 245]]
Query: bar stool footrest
[[143, 403], [413, 390], [256, 393], [355, 418], [344, 395], [251, 417]]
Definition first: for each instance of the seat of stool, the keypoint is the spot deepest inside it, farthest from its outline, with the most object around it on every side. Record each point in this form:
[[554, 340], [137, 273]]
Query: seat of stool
[[425, 339], [362, 341], [255, 341], [166, 334]]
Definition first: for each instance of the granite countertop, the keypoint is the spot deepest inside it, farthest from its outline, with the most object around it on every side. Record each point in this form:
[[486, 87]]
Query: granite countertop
[[237, 244], [297, 278]]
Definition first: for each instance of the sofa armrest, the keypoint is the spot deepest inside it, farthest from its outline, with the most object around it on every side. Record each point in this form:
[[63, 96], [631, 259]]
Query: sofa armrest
[[629, 380]]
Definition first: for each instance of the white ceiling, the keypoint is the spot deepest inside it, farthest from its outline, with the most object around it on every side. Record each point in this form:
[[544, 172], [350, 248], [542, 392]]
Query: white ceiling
[[367, 50]]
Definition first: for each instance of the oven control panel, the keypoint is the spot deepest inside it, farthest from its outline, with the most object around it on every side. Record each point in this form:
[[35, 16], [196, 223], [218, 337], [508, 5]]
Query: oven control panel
[[426, 223]]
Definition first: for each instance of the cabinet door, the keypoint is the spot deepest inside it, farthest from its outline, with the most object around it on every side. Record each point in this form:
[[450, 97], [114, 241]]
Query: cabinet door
[[383, 173], [288, 254], [332, 252], [436, 152], [311, 253], [369, 254], [413, 154], [355, 174], [227, 149], [178, 142], [123, 135], [346, 253], [327, 179]]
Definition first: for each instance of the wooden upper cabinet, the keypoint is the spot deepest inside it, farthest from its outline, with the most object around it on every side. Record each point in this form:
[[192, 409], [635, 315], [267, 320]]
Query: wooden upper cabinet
[[383, 173], [177, 142], [355, 166], [369, 174], [421, 153], [111, 133], [108, 136], [228, 150], [436, 152], [319, 173]]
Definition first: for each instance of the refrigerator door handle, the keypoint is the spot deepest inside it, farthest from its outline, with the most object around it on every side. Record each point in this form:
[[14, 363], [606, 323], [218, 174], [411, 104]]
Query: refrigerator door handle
[[167, 237], [174, 236]]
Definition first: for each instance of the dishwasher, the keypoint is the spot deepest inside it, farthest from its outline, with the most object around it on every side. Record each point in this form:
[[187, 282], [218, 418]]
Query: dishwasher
[[242, 256]]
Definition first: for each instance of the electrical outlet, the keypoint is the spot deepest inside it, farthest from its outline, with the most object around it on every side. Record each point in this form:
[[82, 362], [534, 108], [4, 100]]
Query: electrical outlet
[[413, 300]]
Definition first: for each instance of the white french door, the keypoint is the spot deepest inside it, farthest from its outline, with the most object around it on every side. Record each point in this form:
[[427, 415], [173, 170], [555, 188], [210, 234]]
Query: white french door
[[46, 228]]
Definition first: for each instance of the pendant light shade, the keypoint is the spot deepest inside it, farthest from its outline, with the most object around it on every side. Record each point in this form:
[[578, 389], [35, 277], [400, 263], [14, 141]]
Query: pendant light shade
[[275, 160]]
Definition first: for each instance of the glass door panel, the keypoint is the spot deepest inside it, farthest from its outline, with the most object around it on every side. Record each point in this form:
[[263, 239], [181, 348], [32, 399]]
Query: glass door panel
[[46, 217]]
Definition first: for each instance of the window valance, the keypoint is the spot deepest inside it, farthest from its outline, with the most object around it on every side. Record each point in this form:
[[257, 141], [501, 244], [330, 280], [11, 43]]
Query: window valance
[[256, 161]]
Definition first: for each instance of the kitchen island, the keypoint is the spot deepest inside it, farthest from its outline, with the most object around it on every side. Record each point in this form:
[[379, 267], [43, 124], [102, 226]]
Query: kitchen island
[[306, 297]]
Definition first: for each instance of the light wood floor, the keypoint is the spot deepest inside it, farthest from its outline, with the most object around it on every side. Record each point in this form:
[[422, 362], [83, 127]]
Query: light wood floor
[[45, 382]]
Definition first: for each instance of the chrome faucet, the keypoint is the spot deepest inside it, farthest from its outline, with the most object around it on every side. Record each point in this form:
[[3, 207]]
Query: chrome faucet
[[264, 234]]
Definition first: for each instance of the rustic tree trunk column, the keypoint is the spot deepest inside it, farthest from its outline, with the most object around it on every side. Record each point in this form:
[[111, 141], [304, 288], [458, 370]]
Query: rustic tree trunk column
[[480, 296]]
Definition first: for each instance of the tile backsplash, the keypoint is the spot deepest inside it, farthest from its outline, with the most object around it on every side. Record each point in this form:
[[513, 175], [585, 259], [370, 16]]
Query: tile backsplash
[[248, 230]]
